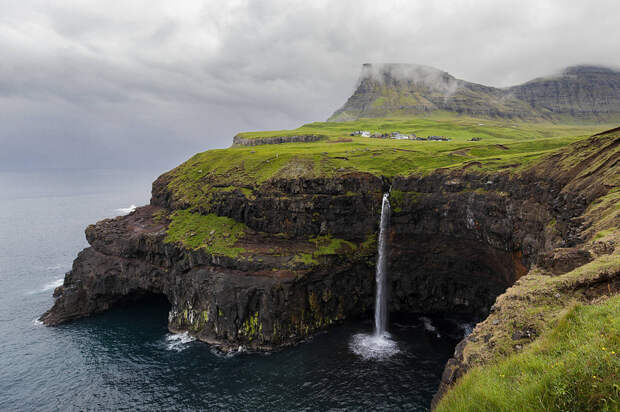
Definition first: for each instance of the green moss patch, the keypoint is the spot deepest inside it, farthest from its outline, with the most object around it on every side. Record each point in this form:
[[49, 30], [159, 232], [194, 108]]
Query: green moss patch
[[400, 199], [217, 235], [325, 246]]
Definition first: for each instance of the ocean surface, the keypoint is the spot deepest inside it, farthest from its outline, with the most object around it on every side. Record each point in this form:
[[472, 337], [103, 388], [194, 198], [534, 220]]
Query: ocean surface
[[127, 360]]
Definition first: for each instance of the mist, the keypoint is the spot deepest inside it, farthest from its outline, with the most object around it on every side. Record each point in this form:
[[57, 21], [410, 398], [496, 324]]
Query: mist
[[142, 84]]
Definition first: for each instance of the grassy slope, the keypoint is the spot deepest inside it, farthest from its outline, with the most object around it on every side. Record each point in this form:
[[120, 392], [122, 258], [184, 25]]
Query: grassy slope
[[503, 145], [217, 235], [439, 123], [574, 367], [572, 360], [197, 182]]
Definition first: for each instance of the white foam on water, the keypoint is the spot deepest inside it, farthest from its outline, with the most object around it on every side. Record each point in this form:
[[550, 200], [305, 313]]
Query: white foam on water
[[37, 322], [53, 284], [60, 266], [48, 286], [374, 347], [228, 354], [467, 328], [126, 210], [428, 325], [178, 341]]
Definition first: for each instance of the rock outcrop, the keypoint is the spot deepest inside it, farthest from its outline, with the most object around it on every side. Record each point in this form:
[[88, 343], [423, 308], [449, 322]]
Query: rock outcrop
[[581, 265], [255, 141], [585, 93], [306, 257], [580, 92]]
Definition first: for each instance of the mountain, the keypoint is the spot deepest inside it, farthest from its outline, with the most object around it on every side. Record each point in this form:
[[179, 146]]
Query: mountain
[[583, 92], [394, 90]]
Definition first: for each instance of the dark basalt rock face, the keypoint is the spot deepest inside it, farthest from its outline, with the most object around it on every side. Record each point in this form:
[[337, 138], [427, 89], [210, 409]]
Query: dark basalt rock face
[[218, 299], [457, 240], [306, 138], [345, 206]]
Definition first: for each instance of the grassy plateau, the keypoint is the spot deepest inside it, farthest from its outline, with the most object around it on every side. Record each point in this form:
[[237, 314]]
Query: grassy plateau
[[574, 362], [503, 145]]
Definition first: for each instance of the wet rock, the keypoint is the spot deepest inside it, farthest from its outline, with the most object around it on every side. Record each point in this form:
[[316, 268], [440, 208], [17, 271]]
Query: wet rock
[[563, 260]]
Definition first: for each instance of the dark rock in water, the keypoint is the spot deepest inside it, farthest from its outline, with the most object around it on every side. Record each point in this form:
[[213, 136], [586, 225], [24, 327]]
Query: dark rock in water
[[217, 299]]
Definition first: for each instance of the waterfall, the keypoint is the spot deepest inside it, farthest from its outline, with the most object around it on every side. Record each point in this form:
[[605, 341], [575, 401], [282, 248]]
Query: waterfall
[[381, 271], [378, 346]]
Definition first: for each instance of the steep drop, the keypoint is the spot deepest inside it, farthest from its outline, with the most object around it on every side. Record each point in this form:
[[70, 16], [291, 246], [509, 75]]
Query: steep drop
[[381, 274], [379, 345]]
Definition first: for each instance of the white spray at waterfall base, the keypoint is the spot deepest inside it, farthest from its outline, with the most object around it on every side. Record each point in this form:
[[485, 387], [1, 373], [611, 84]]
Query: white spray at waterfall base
[[178, 341], [378, 345]]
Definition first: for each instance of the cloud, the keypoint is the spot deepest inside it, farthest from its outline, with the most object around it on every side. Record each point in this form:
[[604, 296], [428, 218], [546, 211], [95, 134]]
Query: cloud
[[148, 83]]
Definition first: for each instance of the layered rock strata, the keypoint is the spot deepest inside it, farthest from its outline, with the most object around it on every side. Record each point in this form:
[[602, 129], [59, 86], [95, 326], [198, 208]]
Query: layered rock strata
[[584, 93], [306, 138], [458, 239]]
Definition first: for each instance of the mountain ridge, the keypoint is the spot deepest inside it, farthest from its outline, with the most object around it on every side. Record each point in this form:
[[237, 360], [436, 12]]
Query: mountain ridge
[[583, 92]]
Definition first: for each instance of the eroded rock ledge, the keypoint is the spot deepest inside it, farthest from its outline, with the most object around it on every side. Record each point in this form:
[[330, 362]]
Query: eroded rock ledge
[[458, 239], [305, 138]]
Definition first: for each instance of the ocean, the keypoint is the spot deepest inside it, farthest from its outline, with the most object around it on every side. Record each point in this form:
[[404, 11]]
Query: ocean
[[126, 359]]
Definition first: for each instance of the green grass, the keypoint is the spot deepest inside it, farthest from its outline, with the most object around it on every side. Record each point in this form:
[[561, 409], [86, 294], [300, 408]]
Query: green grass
[[603, 233], [574, 367], [216, 235], [327, 245], [504, 145], [457, 127], [240, 166]]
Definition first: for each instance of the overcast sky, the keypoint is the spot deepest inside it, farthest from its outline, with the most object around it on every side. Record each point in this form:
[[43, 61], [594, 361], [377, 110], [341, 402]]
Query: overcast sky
[[145, 84]]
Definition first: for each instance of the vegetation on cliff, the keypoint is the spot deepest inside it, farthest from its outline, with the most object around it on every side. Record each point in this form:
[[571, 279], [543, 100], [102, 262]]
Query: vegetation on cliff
[[216, 234], [504, 145], [574, 366], [552, 340]]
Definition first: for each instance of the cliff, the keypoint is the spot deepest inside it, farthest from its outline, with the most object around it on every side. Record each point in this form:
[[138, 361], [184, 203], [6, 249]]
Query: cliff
[[551, 339], [580, 93], [269, 263], [263, 246]]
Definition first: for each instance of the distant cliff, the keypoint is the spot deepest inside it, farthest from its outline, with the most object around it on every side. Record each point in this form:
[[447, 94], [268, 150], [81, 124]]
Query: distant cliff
[[390, 90], [583, 92]]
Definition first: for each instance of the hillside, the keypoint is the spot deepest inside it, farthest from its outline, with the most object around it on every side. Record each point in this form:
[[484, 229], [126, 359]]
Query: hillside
[[510, 222], [580, 93]]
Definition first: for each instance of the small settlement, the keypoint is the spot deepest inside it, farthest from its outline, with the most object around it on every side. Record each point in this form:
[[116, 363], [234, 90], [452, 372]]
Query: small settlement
[[398, 136]]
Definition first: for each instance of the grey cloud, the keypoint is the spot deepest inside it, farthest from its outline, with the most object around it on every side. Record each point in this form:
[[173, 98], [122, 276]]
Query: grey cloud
[[146, 84]]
